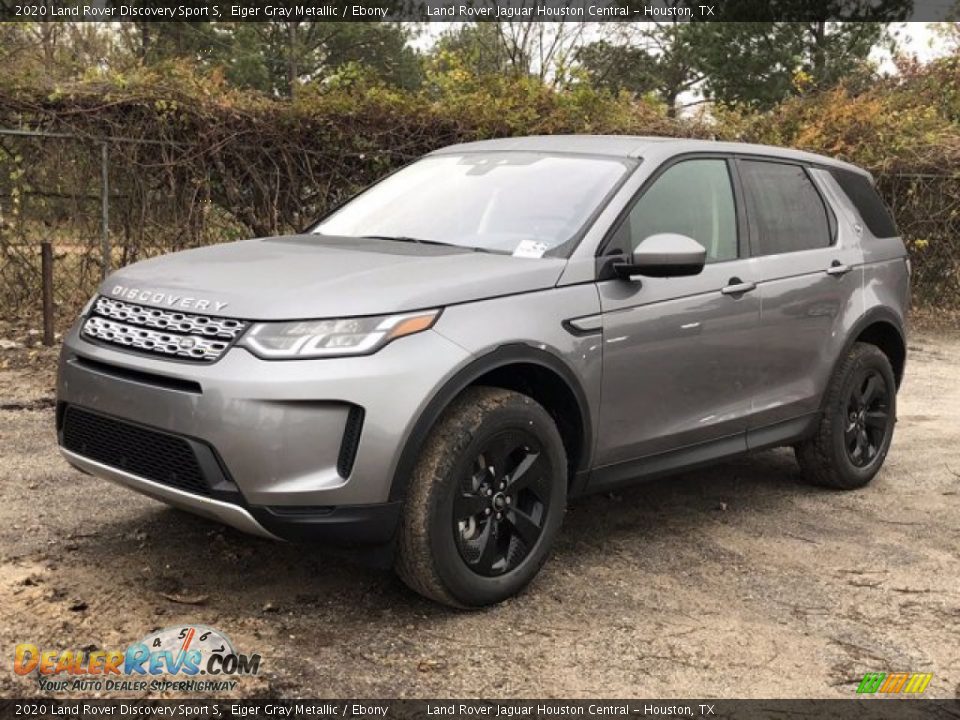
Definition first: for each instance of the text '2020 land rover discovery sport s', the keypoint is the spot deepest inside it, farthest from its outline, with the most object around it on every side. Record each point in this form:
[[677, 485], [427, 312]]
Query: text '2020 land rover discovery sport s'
[[442, 362]]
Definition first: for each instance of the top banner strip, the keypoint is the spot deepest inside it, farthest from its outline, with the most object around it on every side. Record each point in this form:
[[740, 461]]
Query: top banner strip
[[480, 10]]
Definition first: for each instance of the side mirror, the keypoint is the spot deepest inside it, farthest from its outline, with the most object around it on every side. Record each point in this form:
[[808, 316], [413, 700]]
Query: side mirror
[[664, 255]]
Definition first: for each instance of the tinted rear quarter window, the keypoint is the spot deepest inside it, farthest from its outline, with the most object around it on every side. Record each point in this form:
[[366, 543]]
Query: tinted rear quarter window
[[787, 213], [867, 201]]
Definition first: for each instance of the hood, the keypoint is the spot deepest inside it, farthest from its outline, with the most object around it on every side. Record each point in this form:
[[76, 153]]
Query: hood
[[311, 276]]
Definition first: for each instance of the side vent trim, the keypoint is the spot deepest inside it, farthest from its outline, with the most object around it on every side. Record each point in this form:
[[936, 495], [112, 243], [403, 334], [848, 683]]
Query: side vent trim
[[350, 442]]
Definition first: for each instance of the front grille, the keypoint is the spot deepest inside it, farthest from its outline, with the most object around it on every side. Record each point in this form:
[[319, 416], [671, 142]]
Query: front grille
[[149, 454], [165, 332]]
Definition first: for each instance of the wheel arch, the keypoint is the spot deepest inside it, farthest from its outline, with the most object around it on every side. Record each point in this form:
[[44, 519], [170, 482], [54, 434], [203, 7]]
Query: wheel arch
[[888, 337], [529, 370], [883, 328]]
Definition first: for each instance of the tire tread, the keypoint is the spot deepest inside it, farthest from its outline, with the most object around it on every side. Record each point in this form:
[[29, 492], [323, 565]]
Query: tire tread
[[816, 456], [453, 433]]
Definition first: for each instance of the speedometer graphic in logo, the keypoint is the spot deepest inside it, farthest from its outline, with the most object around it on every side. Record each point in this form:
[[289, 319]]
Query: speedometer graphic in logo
[[190, 650], [185, 638]]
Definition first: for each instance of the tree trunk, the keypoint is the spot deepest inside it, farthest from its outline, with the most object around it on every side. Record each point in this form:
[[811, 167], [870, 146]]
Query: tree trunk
[[818, 50], [144, 40], [292, 70], [670, 96]]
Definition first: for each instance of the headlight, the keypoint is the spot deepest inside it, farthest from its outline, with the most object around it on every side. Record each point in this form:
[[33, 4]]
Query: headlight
[[328, 338]]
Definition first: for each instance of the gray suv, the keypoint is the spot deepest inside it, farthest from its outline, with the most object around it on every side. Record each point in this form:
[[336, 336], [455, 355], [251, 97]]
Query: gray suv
[[442, 362]]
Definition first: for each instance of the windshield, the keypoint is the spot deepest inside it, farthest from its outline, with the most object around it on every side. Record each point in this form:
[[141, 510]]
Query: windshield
[[512, 202]]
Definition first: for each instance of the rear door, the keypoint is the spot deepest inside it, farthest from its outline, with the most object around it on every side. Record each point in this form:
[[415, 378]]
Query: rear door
[[807, 264]]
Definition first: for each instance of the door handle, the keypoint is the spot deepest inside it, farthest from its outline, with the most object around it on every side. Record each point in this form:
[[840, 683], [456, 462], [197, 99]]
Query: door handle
[[838, 269], [738, 287]]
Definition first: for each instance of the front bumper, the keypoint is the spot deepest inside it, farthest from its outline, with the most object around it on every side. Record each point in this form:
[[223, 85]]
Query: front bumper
[[277, 429]]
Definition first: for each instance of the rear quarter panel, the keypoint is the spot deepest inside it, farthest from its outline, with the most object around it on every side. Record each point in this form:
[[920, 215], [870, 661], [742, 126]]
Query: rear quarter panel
[[884, 273], [886, 279]]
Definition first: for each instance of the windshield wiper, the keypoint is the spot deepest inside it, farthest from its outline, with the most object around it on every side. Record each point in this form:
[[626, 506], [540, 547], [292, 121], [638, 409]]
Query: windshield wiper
[[408, 239], [421, 241]]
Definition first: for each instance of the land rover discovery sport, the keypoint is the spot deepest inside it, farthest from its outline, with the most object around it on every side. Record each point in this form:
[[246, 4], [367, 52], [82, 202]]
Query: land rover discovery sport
[[441, 363]]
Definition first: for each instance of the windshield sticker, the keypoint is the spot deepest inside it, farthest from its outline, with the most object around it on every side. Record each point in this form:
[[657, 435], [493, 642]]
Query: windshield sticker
[[531, 249]]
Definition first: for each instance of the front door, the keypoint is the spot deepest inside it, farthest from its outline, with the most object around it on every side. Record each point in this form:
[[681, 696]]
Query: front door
[[678, 372]]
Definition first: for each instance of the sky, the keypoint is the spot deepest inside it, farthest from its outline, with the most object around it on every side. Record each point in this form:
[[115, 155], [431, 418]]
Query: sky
[[920, 39]]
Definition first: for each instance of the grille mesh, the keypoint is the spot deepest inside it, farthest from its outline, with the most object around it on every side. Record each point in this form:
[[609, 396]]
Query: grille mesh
[[147, 329], [223, 328], [185, 346], [156, 456]]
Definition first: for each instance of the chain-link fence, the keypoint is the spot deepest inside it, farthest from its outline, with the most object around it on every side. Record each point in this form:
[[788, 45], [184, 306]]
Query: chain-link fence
[[107, 202], [48, 194], [102, 203], [927, 210]]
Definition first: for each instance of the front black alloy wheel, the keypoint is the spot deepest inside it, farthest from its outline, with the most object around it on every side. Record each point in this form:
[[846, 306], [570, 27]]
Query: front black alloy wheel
[[499, 513], [485, 501]]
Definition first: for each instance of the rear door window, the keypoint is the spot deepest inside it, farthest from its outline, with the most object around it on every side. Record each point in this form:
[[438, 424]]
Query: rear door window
[[786, 211]]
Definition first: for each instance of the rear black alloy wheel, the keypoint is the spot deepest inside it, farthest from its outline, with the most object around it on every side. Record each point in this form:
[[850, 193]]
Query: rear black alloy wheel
[[485, 500], [499, 513], [868, 415], [856, 424]]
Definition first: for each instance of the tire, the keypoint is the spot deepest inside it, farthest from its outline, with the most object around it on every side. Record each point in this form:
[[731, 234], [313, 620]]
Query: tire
[[856, 427], [460, 545]]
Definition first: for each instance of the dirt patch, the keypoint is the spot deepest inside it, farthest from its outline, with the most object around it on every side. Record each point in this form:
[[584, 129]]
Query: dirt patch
[[735, 580]]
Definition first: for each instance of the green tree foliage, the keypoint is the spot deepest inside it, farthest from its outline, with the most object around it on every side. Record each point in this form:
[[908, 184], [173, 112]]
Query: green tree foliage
[[755, 63], [153, 42], [761, 63], [658, 58], [481, 48], [276, 58], [279, 57], [519, 48], [55, 50]]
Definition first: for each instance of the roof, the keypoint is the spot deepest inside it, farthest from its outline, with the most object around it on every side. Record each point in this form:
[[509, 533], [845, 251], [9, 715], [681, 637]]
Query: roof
[[614, 145], [634, 146]]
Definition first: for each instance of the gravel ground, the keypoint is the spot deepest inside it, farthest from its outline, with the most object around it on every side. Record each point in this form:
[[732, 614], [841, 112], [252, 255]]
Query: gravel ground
[[733, 581]]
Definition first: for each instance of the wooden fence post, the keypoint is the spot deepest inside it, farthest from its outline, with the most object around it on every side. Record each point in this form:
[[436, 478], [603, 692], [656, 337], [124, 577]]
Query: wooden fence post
[[46, 272], [105, 249]]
